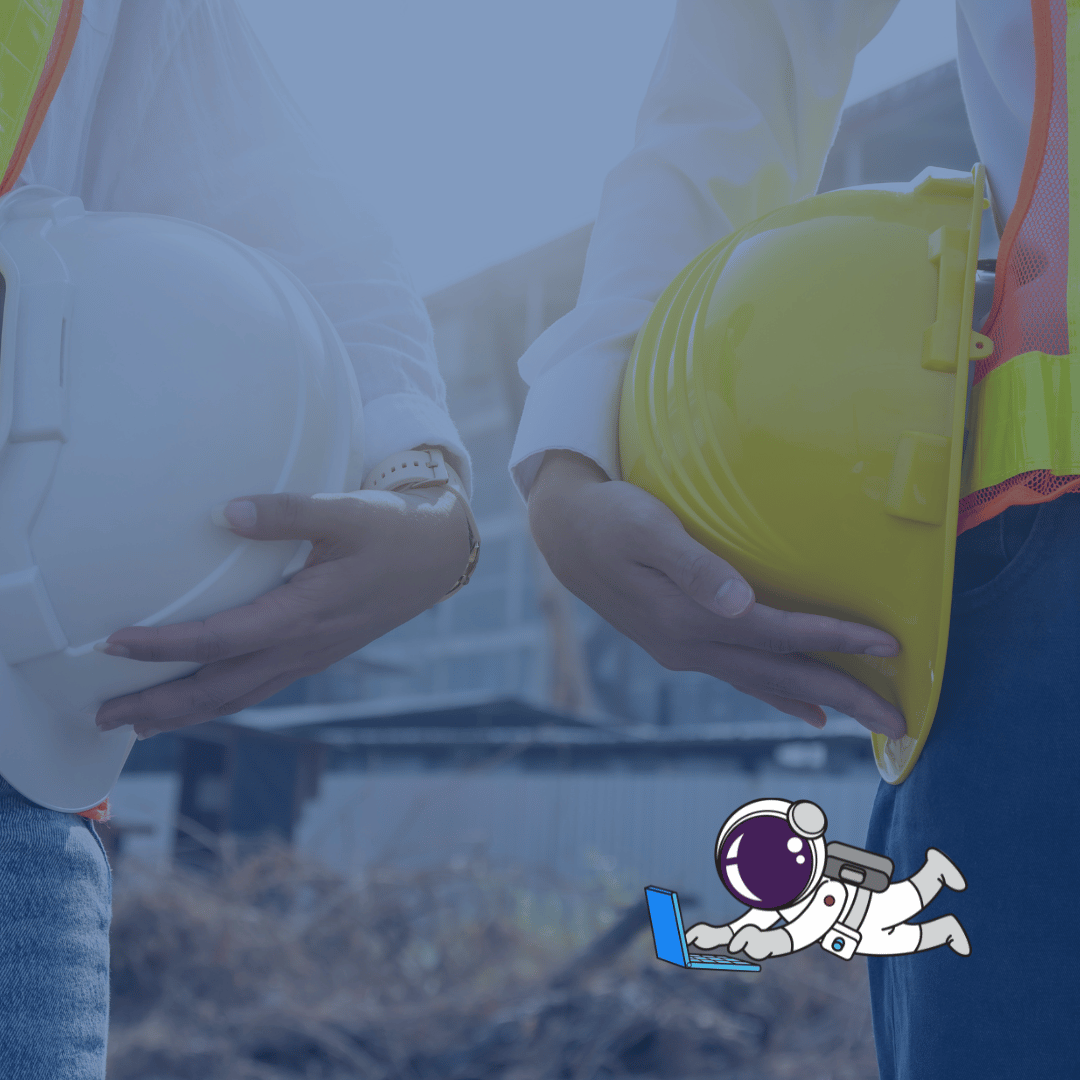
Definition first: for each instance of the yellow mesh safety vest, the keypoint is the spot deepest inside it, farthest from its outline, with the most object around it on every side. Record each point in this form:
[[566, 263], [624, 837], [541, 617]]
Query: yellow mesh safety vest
[[1024, 420], [36, 37]]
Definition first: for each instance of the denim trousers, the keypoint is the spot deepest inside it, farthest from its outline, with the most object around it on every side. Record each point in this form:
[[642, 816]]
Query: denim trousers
[[55, 905], [997, 788]]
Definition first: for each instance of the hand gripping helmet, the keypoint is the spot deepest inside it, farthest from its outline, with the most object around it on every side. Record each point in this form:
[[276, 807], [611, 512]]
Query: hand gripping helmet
[[771, 853], [797, 397], [149, 369]]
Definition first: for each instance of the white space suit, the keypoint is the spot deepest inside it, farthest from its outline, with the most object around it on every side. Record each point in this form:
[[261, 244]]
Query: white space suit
[[772, 854]]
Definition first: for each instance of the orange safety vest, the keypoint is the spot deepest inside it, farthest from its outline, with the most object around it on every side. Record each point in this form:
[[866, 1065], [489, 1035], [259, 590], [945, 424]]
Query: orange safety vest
[[1024, 421], [35, 43]]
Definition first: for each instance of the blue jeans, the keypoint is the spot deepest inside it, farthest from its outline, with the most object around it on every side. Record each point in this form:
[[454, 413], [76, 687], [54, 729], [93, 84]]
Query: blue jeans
[[997, 788], [55, 904]]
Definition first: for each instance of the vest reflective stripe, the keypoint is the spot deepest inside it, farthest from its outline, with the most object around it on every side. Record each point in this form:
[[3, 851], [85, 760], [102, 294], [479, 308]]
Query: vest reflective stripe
[[1024, 424], [1029, 419], [36, 37]]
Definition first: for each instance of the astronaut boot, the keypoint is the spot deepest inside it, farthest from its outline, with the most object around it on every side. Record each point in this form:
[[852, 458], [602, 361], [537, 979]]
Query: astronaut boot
[[944, 931], [938, 870]]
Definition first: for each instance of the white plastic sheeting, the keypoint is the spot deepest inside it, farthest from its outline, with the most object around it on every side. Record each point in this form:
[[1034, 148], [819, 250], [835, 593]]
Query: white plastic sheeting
[[626, 829]]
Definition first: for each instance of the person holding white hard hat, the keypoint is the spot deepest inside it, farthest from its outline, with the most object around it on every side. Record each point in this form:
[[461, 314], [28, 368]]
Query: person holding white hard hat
[[737, 122], [224, 446]]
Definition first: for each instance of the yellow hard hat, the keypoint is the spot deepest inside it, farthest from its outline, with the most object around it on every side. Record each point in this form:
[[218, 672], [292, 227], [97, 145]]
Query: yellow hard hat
[[797, 397]]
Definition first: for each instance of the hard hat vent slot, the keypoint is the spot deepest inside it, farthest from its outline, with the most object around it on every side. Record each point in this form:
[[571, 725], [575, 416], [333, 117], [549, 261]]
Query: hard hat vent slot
[[40, 411], [919, 483]]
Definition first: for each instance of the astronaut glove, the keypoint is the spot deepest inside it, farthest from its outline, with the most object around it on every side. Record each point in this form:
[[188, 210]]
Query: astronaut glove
[[760, 944], [705, 936]]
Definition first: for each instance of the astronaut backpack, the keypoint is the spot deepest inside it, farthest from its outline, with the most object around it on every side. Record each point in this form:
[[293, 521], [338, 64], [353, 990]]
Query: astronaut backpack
[[857, 867]]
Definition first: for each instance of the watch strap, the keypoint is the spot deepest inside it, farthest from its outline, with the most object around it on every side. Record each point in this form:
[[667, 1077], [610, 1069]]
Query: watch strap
[[423, 468], [407, 469]]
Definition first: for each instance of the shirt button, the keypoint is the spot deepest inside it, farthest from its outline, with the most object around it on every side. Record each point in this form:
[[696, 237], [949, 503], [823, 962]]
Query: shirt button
[[830, 900]]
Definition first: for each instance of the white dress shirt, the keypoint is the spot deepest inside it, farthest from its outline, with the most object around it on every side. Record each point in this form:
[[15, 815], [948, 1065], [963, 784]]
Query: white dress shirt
[[172, 107], [738, 119]]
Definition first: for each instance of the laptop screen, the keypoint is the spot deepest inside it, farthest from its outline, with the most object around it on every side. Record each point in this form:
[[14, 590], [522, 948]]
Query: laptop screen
[[667, 925]]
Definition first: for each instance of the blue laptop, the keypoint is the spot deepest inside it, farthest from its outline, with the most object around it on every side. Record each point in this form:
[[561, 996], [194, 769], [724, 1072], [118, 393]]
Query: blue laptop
[[669, 936]]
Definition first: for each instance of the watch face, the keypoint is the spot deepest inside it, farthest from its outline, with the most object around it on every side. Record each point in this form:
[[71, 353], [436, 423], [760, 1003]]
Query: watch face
[[764, 863]]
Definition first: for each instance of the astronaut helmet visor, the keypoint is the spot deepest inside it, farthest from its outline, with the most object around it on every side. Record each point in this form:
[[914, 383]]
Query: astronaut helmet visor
[[764, 863]]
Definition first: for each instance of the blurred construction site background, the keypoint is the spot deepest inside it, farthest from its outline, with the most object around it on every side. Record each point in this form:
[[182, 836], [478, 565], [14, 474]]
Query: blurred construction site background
[[506, 750]]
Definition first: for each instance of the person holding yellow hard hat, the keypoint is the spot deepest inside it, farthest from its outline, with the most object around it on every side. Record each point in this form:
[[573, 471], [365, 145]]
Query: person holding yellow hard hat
[[775, 443], [224, 446]]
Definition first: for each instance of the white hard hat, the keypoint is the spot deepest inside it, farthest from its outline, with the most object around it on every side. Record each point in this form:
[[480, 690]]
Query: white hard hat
[[150, 368]]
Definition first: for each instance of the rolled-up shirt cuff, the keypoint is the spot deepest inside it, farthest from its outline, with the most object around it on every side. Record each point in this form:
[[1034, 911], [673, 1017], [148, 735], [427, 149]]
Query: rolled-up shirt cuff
[[395, 422], [573, 401]]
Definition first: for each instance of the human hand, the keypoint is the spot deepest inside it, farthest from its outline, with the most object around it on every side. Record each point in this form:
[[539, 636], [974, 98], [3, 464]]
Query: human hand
[[630, 559], [378, 559], [708, 937], [760, 944]]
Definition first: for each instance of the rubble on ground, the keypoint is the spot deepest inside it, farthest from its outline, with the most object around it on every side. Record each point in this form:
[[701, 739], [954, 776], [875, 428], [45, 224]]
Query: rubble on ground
[[277, 968]]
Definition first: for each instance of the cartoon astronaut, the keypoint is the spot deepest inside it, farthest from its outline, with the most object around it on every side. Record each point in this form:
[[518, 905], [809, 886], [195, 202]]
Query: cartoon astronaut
[[772, 855]]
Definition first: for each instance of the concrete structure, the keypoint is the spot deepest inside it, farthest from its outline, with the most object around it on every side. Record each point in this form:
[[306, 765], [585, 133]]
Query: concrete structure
[[181, 793]]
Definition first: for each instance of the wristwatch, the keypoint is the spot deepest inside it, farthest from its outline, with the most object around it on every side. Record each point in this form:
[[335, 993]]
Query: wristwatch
[[425, 467]]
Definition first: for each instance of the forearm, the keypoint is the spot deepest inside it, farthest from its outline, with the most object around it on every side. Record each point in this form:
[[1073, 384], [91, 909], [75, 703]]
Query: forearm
[[563, 479]]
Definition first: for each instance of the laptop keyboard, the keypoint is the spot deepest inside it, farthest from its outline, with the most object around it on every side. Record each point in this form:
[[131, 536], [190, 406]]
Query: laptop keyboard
[[717, 961]]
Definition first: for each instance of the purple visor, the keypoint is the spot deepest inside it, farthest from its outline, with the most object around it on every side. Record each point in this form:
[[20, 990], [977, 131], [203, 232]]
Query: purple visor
[[765, 863]]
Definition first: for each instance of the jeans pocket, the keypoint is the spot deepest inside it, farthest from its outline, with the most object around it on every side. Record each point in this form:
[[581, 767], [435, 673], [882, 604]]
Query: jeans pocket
[[104, 854], [985, 553]]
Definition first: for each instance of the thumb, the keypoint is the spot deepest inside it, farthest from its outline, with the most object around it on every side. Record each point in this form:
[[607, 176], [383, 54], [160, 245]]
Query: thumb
[[286, 517], [703, 576]]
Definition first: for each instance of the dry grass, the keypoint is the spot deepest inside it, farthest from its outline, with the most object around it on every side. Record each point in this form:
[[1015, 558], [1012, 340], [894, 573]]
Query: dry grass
[[281, 969]]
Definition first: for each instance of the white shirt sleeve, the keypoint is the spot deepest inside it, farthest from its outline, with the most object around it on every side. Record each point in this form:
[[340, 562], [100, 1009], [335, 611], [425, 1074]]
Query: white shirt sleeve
[[191, 121], [740, 114]]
